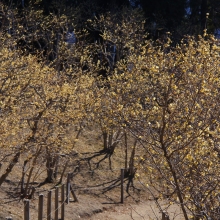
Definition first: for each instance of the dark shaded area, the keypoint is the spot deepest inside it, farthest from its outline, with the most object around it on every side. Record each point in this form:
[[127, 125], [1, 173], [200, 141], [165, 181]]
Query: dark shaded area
[[188, 16], [179, 17]]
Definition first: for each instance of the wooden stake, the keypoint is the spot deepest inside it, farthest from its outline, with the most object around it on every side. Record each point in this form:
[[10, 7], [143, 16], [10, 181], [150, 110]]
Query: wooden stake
[[40, 207], [26, 209], [73, 194], [68, 189], [63, 202], [56, 202], [165, 216], [49, 198], [122, 185]]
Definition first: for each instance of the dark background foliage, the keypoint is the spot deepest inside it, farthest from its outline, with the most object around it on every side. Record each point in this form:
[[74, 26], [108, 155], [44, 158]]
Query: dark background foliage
[[177, 16]]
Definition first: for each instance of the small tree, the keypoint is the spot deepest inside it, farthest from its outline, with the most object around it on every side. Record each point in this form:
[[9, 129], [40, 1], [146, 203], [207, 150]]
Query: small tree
[[171, 107]]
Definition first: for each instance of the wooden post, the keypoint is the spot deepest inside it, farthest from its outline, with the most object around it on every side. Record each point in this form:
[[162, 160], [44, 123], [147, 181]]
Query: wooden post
[[68, 189], [26, 209], [63, 202], [49, 198], [165, 216], [73, 194], [40, 207], [122, 185], [56, 202]]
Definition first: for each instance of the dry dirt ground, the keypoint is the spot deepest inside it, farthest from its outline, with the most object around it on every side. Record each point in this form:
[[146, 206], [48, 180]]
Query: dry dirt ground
[[97, 189], [145, 210], [93, 204], [92, 208]]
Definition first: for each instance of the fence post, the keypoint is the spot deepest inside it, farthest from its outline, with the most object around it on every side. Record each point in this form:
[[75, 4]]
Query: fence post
[[49, 197], [73, 194], [40, 207], [68, 189], [56, 202], [63, 202], [122, 185], [165, 216], [26, 209]]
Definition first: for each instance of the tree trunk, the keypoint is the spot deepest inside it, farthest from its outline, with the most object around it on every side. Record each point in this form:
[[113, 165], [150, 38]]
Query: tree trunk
[[131, 162], [51, 163], [64, 169], [22, 178], [10, 167], [131, 171], [31, 170], [126, 151], [50, 169]]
